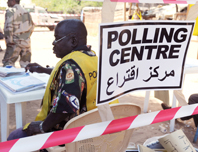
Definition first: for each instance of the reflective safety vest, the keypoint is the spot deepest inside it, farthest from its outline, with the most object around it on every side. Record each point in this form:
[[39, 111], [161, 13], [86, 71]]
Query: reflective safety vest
[[89, 67], [136, 16]]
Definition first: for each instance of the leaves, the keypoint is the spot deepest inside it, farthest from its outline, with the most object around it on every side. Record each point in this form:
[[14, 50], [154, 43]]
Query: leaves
[[66, 6]]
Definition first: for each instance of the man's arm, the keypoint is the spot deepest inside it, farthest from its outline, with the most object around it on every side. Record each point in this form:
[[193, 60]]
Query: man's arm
[[35, 67], [52, 119], [66, 102], [8, 28]]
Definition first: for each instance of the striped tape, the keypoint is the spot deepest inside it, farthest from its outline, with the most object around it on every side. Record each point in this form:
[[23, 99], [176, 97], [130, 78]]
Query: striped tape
[[51, 139], [50, 14], [45, 23], [159, 1]]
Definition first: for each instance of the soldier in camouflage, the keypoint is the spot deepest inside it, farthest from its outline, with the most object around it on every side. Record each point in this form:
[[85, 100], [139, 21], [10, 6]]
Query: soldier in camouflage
[[17, 30], [1, 37]]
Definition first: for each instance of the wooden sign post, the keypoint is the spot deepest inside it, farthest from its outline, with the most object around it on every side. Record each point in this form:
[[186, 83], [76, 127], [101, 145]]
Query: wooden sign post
[[107, 8]]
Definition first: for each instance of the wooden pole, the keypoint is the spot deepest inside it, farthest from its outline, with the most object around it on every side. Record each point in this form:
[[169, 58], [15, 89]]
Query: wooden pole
[[130, 6], [124, 11], [188, 8], [137, 5], [108, 10]]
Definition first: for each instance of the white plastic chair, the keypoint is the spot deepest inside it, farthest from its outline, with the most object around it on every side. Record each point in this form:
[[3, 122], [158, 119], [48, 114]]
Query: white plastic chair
[[107, 143]]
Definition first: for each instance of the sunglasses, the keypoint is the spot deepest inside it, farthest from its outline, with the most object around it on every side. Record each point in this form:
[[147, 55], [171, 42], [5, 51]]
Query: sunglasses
[[55, 41]]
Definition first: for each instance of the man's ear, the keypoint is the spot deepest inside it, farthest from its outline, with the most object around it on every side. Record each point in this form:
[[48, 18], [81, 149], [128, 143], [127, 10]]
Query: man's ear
[[74, 41]]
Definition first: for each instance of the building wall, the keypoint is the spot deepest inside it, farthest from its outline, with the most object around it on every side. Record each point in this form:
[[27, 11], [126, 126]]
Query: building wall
[[3, 3]]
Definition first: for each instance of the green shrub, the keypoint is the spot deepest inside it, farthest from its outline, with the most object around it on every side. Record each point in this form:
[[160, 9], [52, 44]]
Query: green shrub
[[66, 6]]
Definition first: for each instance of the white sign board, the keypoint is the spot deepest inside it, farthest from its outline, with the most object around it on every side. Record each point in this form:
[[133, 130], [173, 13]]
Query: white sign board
[[141, 55]]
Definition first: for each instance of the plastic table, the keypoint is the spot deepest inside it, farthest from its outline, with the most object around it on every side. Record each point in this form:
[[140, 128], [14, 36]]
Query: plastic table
[[19, 99]]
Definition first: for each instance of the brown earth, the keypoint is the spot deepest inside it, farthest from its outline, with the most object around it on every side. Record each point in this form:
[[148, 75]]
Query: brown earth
[[42, 53]]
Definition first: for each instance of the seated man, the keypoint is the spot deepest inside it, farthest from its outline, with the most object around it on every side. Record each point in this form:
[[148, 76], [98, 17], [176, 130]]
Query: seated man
[[70, 90], [193, 99]]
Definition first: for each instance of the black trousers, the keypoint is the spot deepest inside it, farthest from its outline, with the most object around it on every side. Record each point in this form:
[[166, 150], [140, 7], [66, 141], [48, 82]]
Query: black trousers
[[193, 99]]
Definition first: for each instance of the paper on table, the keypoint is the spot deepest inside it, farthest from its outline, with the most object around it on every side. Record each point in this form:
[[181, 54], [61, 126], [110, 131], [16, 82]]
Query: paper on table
[[142, 148], [20, 83], [177, 142], [41, 76], [5, 71]]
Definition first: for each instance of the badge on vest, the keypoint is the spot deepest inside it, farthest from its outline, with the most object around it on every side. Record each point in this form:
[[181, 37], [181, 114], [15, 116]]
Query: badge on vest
[[69, 76]]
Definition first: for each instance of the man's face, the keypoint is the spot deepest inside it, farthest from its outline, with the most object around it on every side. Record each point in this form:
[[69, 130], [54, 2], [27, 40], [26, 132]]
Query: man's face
[[62, 43], [11, 3]]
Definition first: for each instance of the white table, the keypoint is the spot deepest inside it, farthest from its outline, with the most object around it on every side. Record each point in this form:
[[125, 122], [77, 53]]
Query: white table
[[191, 67], [20, 99]]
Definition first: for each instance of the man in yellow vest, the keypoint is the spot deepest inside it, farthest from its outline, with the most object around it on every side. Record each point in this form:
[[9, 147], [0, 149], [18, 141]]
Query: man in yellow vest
[[71, 89]]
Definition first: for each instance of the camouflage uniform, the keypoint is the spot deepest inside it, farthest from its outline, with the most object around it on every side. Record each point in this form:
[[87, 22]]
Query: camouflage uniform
[[1, 31], [17, 30]]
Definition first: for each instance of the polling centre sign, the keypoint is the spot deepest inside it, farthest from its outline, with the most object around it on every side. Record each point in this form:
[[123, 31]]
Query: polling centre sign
[[141, 55]]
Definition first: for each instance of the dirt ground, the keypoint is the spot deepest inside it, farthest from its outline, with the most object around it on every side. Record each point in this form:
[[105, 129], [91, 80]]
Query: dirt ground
[[42, 53]]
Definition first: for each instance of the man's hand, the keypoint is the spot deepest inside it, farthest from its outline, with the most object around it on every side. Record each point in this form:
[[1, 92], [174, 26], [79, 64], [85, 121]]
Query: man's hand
[[34, 67], [33, 128]]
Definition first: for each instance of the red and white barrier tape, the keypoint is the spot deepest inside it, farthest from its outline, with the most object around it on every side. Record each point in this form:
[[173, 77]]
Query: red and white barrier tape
[[45, 23], [2, 12], [46, 140], [159, 1], [51, 14]]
